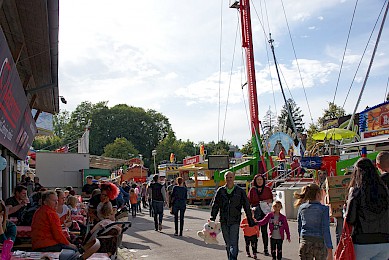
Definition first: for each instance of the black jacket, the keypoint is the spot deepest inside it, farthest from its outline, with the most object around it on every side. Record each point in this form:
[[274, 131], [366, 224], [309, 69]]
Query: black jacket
[[230, 206], [369, 227]]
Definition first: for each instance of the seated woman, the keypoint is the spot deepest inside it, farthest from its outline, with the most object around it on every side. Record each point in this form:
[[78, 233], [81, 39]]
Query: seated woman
[[108, 239], [109, 193], [7, 228], [46, 230], [63, 210]]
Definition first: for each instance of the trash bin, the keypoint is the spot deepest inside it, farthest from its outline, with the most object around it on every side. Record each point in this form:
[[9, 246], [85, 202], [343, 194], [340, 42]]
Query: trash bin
[[284, 193]]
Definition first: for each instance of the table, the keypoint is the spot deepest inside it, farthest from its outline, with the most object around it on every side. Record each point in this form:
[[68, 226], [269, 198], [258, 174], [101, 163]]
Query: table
[[18, 255], [80, 218], [25, 232]]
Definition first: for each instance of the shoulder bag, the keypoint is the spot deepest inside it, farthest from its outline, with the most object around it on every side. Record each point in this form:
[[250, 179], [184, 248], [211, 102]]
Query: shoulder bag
[[345, 249]]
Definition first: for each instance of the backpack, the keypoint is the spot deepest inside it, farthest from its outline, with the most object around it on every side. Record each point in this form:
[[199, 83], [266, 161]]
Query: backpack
[[27, 214]]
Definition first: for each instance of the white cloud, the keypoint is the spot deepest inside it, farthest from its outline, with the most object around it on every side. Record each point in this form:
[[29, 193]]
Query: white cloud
[[156, 57]]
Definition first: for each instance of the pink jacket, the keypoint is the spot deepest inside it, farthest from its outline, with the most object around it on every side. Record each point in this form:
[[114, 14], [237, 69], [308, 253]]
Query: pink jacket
[[283, 224]]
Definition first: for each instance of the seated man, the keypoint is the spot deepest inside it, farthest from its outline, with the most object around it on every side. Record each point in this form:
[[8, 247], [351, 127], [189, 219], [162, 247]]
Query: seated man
[[18, 202], [46, 230], [88, 187]]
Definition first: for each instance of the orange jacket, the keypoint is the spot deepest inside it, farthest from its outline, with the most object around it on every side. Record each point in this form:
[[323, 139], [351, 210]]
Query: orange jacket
[[46, 228], [247, 230], [133, 198]]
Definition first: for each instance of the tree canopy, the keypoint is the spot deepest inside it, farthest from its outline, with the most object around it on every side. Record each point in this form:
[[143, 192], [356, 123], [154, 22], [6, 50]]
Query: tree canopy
[[333, 111], [121, 148], [284, 121]]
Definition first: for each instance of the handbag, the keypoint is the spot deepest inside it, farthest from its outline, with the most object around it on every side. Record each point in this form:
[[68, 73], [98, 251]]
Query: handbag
[[264, 207], [345, 249]]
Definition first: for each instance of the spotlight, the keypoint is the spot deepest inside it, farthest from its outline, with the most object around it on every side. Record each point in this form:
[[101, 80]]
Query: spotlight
[[63, 100]]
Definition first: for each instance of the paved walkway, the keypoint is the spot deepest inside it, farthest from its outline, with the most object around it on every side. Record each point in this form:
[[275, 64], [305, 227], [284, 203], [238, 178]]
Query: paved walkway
[[142, 242]]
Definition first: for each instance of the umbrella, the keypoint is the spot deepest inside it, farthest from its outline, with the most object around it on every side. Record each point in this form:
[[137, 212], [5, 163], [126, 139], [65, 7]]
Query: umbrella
[[334, 134]]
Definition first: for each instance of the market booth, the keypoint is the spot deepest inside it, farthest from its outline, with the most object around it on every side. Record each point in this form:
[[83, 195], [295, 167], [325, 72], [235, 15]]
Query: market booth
[[199, 179]]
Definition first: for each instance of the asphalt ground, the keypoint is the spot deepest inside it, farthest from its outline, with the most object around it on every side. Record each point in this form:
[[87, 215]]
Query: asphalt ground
[[141, 241]]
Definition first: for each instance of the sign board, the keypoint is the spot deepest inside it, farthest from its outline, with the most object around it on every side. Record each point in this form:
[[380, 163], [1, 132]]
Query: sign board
[[193, 160], [218, 162], [375, 121], [17, 127]]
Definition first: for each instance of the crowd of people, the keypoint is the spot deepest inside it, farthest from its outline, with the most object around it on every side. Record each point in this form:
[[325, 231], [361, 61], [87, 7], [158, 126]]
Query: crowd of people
[[49, 212]]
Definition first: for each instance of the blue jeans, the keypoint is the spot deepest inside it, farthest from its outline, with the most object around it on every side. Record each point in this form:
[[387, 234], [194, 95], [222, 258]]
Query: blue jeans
[[372, 251], [158, 212], [339, 228], [231, 238]]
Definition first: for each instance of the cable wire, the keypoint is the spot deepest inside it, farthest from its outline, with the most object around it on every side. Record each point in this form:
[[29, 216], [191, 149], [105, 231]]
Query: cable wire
[[297, 63], [220, 68], [229, 83], [386, 91], [344, 51], [268, 59], [363, 54]]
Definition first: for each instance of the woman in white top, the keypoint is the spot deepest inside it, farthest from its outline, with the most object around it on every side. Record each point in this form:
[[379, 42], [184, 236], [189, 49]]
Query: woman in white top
[[63, 210]]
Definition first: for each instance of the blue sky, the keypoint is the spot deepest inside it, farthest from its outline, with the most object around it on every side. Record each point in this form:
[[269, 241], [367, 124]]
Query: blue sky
[[165, 55]]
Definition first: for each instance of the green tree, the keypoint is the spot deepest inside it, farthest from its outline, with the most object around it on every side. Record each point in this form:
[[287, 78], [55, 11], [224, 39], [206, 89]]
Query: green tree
[[247, 148], [60, 122], [47, 143], [144, 129], [167, 146], [332, 112], [121, 148], [78, 120], [312, 129], [284, 120], [220, 148]]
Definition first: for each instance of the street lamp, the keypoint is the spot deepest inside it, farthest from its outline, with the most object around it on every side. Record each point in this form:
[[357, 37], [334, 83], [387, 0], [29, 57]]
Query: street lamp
[[154, 153]]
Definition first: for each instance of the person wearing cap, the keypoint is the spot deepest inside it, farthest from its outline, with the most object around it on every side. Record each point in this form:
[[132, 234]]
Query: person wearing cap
[[88, 187]]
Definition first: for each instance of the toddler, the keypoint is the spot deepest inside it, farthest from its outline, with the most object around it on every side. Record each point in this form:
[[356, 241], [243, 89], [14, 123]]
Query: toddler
[[72, 203], [133, 202], [251, 235], [278, 225]]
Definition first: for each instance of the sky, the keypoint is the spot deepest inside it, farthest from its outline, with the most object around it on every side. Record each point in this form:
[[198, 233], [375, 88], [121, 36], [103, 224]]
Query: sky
[[184, 59]]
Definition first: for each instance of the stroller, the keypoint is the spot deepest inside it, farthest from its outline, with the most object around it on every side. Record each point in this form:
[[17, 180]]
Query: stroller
[[110, 235]]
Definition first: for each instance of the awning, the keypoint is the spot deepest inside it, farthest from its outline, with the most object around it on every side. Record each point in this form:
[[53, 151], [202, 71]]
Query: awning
[[366, 142], [101, 162], [191, 167]]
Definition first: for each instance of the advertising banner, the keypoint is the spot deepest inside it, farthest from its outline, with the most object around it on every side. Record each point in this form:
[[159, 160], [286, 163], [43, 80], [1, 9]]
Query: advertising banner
[[375, 121], [17, 127]]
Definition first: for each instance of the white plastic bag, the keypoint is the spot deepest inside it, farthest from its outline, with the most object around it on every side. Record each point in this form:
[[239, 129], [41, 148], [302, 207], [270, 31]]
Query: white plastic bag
[[265, 207]]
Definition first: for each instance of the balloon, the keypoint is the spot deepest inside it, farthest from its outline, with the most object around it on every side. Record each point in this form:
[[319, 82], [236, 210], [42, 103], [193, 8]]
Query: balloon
[[3, 163]]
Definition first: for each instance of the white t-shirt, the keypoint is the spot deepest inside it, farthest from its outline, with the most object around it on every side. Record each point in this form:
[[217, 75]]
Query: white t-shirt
[[65, 210]]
